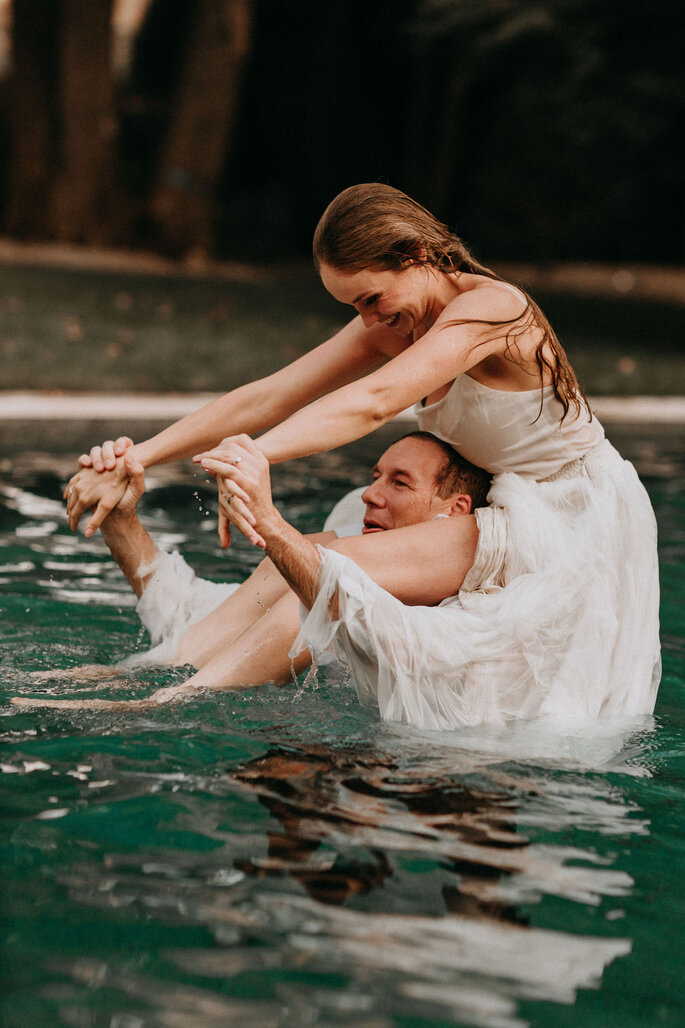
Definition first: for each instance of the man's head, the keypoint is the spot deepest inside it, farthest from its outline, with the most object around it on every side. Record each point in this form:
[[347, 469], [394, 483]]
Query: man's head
[[418, 478]]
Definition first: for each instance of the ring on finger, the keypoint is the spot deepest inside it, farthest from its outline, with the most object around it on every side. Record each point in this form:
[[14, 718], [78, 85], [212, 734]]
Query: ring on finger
[[236, 460]]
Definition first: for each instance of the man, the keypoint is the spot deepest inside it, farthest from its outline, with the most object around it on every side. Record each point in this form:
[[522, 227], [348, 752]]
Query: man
[[247, 637]]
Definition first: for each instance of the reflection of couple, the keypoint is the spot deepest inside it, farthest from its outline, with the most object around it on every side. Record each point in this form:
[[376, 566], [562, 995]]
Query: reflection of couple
[[318, 797], [557, 613]]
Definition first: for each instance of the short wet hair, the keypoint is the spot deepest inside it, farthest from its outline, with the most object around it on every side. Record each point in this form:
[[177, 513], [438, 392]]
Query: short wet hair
[[457, 474]]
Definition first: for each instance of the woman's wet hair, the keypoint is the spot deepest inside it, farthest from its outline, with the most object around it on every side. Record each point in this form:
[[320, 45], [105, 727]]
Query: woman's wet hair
[[373, 225], [457, 474]]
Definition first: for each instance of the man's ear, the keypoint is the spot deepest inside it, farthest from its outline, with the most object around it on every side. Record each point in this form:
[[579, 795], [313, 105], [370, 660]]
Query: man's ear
[[459, 504]]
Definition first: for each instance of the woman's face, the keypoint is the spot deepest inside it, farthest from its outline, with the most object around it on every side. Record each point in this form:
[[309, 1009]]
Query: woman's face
[[403, 300]]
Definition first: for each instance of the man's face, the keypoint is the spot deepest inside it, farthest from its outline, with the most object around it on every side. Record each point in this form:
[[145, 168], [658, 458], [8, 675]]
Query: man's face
[[404, 490]]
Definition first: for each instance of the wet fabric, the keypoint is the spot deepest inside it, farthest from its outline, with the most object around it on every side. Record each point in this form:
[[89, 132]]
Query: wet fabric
[[173, 600], [557, 619], [502, 431]]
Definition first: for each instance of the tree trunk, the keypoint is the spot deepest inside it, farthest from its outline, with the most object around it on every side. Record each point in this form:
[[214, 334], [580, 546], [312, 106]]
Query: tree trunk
[[33, 116], [182, 200], [83, 203]]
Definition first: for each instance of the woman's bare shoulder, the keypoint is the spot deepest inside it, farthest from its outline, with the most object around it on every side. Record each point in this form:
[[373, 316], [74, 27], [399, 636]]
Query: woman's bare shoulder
[[486, 299]]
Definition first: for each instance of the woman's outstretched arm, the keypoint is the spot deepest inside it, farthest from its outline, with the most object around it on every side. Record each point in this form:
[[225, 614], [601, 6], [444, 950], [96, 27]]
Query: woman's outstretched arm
[[250, 409], [460, 339]]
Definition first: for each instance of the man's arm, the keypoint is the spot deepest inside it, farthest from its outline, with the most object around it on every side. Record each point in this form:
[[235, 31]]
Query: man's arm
[[295, 556], [128, 541]]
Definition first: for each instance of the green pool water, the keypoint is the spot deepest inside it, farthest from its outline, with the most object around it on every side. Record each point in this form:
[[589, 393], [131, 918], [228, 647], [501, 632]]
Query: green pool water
[[278, 856]]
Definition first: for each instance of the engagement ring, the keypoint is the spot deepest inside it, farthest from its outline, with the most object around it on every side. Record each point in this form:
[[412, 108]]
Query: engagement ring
[[236, 460]]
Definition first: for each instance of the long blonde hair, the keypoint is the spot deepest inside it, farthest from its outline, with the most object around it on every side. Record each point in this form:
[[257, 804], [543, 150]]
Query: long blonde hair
[[373, 225]]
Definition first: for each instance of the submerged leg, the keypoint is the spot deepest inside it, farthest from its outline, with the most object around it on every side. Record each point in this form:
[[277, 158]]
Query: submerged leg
[[259, 655], [39, 701], [255, 598], [84, 673]]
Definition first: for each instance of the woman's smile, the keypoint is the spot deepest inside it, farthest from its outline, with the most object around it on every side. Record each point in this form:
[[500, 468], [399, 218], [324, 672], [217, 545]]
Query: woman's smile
[[391, 322], [397, 299]]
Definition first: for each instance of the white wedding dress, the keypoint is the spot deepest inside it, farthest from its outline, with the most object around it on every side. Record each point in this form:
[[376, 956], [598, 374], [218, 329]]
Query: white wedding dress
[[557, 618]]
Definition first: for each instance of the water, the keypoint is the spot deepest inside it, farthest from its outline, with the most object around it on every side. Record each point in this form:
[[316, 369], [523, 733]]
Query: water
[[278, 856]]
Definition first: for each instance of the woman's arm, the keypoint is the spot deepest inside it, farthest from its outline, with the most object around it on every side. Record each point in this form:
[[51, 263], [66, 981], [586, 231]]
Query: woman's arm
[[259, 405], [251, 408], [457, 342]]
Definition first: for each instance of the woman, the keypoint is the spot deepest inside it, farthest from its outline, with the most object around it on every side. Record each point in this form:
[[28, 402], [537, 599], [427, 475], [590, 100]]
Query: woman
[[558, 608]]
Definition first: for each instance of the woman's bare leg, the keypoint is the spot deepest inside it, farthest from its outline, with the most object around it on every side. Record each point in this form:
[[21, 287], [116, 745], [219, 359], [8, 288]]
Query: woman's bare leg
[[245, 607], [420, 564], [259, 654]]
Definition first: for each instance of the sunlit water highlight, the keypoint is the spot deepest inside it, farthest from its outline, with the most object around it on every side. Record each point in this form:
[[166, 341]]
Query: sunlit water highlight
[[278, 856]]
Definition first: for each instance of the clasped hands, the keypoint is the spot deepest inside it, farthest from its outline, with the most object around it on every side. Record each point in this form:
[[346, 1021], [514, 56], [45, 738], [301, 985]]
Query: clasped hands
[[239, 467], [242, 475]]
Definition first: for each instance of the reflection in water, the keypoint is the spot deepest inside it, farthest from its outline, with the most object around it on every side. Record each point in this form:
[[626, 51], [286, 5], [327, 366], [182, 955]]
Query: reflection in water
[[354, 800], [407, 881]]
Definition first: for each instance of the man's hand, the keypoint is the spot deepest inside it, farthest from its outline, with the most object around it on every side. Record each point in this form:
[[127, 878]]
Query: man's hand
[[135, 487], [131, 546], [106, 491], [90, 489], [242, 474]]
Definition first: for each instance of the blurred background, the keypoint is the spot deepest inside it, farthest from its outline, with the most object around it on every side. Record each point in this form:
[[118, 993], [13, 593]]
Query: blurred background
[[542, 129], [203, 138]]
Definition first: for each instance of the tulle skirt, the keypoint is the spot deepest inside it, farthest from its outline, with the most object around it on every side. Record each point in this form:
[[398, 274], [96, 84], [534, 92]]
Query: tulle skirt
[[557, 619]]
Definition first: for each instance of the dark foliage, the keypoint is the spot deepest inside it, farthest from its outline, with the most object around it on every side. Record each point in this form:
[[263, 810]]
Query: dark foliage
[[540, 129]]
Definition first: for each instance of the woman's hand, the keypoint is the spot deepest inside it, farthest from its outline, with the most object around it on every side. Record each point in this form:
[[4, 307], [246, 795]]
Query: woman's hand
[[104, 458], [242, 474], [102, 490]]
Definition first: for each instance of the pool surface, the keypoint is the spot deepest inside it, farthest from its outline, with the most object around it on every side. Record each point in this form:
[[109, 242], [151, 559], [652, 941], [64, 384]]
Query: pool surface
[[278, 856]]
